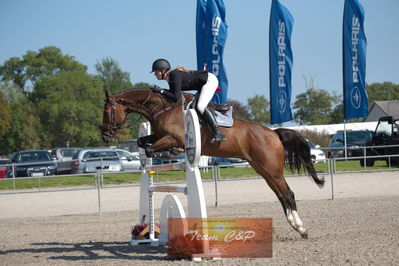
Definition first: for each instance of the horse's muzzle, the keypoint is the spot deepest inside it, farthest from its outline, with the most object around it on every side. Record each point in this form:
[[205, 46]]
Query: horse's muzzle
[[105, 135], [106, 138]]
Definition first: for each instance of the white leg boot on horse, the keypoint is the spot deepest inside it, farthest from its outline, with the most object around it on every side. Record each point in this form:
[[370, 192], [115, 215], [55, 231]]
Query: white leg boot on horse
[[293, 217], [287, 200]]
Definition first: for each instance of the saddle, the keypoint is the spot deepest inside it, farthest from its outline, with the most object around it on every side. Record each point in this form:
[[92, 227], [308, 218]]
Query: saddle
[[223, 112]]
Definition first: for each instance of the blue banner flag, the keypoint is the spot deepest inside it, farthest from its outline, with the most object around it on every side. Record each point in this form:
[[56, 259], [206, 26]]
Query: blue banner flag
[[280, 63], [211, 33], [354, 46]]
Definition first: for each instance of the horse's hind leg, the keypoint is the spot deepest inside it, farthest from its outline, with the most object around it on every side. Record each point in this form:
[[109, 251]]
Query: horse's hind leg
[[285, 195], [287, 199], [293, 217]]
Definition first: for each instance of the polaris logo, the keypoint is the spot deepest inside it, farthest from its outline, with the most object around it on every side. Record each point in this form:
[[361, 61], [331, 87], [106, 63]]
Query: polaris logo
[[281, 53], [216, 21], [355, 43]]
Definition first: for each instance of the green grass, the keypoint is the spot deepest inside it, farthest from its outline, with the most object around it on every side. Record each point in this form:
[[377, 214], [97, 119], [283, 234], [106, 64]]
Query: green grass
[[172, 176], [6, 184], [237, 172], [354, 165]]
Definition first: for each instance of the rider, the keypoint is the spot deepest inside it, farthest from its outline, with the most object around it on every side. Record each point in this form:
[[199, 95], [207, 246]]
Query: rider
[[180, 79]]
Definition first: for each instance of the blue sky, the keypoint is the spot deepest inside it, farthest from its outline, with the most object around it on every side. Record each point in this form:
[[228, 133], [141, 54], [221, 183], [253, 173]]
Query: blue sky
[[137, 32]]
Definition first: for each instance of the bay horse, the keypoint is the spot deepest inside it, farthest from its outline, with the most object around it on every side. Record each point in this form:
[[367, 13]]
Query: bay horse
[[266, 150]]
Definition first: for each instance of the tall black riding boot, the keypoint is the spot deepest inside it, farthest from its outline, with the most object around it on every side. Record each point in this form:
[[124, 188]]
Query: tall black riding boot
[[210, 120]]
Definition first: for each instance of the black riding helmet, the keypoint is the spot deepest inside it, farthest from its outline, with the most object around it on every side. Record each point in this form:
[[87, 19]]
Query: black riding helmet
[[160, 64]]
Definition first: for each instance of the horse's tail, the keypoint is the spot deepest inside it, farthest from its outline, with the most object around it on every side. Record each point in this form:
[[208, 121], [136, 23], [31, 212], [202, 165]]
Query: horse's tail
[[297, 153]]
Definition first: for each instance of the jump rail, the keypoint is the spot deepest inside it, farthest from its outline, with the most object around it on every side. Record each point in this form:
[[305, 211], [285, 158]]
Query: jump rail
[[171, 205]]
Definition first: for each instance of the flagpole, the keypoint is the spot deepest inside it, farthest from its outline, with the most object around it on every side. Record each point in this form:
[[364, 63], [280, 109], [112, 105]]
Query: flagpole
[[345, 139]]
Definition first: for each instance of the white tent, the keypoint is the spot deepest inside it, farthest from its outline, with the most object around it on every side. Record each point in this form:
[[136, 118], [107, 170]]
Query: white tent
[[332, 128]]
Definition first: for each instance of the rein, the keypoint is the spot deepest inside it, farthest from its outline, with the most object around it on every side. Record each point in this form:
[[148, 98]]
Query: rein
[[153, 116], [148, 97], [183, 100], [115, 127]]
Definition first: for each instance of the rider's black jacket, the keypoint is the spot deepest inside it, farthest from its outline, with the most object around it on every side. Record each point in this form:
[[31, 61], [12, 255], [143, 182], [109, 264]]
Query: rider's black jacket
[[184, 81]]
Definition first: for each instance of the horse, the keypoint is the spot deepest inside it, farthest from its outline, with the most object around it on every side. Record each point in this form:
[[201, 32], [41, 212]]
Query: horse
[[267, 151]]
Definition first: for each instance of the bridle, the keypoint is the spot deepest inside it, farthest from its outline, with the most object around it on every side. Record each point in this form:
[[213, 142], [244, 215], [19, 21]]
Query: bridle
[[114, 127]]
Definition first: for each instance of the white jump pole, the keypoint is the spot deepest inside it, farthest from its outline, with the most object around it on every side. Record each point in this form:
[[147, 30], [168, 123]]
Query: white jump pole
[[145, 182]]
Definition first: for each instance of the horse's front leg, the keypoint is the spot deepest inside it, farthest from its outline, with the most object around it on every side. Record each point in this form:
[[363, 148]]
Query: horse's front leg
[[145, 141], [166, 142]]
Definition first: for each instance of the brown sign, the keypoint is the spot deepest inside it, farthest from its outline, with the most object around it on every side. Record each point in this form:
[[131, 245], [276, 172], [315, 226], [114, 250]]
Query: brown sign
[[220, 237]]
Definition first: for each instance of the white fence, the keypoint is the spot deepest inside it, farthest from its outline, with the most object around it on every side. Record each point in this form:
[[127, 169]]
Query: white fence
[[331, 168]]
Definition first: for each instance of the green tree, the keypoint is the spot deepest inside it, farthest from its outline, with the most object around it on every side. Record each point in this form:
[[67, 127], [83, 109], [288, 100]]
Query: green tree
[[314, 107], [22, 133], [54, 101], [337, 114], [382, 92], [25, 72], [69, 105], [259, 108], [14, 70], [5, 115], [115, 80], [239, 111]]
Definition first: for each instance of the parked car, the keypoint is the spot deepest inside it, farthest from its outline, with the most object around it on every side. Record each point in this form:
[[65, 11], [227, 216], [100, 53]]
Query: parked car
[[93, 160], [386, 133], [130, 146], [227, 162], [33, 163], [354, 140], [176, 159], [130, 161], [4, 166], [64, 158], [316, 154]]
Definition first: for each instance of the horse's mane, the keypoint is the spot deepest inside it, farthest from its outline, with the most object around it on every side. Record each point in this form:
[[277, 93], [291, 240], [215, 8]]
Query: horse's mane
[[133, 90], [187, 96], [147, 89]]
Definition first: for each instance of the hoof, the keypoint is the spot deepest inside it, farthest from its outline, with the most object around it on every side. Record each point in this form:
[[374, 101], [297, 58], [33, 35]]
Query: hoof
[[304, 234], [149, 152]]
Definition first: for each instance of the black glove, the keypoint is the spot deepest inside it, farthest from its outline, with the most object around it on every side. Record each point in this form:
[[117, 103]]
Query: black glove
[[156, 88]]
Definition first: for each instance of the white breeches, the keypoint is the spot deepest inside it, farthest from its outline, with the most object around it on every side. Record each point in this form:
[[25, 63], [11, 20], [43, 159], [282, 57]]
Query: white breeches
[[207, 92]]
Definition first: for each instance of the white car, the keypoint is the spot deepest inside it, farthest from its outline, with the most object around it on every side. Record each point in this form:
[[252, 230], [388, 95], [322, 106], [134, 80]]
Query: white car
[[130, 161], [96, 159], [64, 158], [317, 154]]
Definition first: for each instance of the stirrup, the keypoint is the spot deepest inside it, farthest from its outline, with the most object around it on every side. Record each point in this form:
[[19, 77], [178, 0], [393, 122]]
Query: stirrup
[[218, 138]]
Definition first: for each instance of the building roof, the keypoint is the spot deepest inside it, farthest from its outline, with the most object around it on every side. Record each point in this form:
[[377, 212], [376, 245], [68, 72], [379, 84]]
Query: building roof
[[382, 108], [389, 107]]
